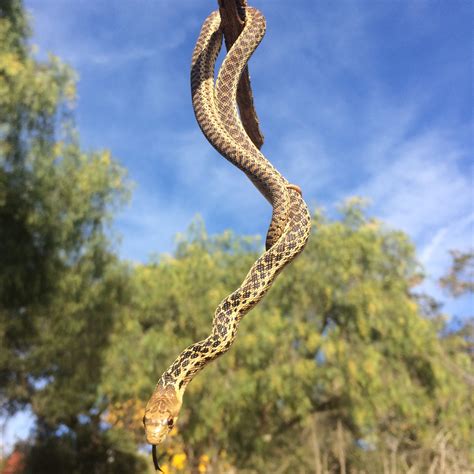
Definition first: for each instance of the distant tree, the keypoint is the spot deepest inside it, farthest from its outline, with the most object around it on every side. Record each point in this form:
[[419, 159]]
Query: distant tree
[[460, 279]]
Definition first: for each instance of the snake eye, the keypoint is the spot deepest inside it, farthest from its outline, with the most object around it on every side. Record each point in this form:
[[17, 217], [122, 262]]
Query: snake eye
[[170, 422]]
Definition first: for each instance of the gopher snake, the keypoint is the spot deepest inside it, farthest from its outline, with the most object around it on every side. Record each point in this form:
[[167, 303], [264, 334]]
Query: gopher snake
[[216, 112]]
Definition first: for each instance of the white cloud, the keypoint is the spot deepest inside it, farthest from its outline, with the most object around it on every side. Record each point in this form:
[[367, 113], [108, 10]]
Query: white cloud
[[303, 160], [419, 186], [105, 47], [117, 58], [148, 224]]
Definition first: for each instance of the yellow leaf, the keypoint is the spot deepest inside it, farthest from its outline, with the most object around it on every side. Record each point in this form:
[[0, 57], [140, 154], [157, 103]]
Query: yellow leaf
[[179, 461], [352, 368], [10, 63], [314, 339], [203, 463], [70, 91], [105, 157], [370, 366], [329, 349]]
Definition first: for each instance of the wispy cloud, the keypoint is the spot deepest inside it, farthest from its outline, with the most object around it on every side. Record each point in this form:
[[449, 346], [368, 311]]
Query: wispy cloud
[[118, 58], [456, 235], [112, 37], [419, 185]]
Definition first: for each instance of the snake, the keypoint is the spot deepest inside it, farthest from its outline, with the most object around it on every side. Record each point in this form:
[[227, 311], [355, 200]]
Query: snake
[[215, 108]]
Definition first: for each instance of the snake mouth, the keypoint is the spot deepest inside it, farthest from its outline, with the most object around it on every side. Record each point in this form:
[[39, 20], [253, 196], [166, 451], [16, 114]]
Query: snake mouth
[[155, 437], [156, 431]]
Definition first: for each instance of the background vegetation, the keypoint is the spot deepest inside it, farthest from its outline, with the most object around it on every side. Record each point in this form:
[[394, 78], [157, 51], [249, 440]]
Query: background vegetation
[[342, 368]]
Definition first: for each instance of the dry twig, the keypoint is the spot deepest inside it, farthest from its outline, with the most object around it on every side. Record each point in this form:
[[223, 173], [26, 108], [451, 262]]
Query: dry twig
[[233, 20]]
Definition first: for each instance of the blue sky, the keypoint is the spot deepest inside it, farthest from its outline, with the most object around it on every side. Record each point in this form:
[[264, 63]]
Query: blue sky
[[371, 98]]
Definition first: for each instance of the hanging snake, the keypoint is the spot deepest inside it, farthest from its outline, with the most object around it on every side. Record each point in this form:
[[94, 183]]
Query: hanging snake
[[216, 112]]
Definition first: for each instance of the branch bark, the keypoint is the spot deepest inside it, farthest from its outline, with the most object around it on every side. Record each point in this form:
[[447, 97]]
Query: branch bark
[[233, 20]]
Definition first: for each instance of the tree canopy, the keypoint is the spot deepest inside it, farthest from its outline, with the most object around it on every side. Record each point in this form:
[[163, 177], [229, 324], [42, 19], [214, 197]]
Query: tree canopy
[[338, 357], [59, 279]]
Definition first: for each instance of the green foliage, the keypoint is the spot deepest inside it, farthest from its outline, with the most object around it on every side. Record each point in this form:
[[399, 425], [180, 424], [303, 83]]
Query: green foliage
[[339, 343]]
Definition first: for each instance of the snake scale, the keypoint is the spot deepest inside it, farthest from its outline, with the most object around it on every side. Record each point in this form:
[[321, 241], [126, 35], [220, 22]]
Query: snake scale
[[215, 109]]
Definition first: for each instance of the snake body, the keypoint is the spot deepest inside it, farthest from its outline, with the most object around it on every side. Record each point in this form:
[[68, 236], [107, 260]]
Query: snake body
[[216, 112]]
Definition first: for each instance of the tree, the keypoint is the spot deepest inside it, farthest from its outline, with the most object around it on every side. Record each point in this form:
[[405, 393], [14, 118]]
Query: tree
[[336, 362], [60, 282]]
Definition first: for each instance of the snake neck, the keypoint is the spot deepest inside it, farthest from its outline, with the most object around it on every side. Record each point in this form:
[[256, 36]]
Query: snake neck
[[167, 398]]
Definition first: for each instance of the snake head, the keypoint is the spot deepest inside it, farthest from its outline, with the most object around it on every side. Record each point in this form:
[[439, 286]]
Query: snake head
[[158, 427], [161, 414]]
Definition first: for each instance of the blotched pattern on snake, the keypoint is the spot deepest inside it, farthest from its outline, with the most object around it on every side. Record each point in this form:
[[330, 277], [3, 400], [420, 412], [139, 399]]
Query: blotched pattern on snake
[[216, 112]]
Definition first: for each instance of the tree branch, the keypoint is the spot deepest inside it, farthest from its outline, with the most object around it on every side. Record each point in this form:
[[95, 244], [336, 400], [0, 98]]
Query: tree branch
[[233, 20]]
